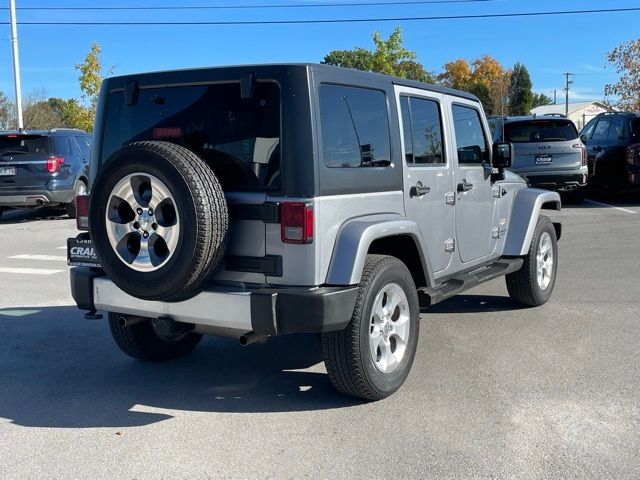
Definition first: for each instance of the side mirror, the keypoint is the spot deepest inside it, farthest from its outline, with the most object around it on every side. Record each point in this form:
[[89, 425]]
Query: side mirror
[[502, 153], [583, 138]]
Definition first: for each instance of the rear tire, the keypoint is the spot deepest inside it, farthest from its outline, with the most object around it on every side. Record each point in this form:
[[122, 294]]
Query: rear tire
[[533, 284], [386, 314], [79, 189], [141, 341]]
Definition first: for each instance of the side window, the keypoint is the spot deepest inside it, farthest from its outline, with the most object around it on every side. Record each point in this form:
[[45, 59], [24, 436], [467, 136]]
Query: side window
[[83, 143], [62, 145], [406, 129], [601, 131], [619, 129], [588, 128], [426, 131], [470, 138], [635, 129], [355, 127]]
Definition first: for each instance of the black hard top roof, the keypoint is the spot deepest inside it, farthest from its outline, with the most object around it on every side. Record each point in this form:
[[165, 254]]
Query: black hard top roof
[[346, 75]]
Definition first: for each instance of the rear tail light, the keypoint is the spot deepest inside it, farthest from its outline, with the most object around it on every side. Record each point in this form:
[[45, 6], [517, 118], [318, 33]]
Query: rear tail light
[[54, 163], [82, 212], [584, 152], [632, 152], [296, 222]]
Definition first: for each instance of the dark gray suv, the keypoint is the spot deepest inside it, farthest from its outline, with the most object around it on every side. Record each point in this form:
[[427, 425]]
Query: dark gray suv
[[43, 168], [546, 152]]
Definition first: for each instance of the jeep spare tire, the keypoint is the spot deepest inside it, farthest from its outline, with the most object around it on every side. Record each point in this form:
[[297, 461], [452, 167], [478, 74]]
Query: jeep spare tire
[[158, 220]]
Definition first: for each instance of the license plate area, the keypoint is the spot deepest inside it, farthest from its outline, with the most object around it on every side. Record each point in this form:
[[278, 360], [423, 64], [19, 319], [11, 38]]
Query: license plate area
[[7, 171], [544, 159], [80, 253]]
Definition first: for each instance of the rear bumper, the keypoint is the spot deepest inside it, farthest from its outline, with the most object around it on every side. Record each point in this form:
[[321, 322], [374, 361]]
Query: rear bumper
[[34, 198], [558, 181], [265, 311]]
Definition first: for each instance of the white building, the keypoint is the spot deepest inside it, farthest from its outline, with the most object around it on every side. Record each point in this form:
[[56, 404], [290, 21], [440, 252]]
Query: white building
[[579, 112]]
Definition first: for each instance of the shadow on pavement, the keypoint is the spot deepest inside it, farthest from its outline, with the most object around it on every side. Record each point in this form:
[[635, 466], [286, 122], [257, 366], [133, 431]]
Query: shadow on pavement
[[24, 215], [59, 370], [474, 304]]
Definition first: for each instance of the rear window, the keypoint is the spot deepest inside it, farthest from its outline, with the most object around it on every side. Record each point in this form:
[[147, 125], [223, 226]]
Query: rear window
[[540, 131], [238, 138], [24, 145]]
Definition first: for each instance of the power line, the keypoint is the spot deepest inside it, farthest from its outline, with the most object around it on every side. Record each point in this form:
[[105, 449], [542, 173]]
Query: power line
[[334, 20], [236, 7]]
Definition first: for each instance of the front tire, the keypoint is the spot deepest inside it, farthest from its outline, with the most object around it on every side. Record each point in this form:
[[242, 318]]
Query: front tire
[[140, 340], [533, 284], [372, 357]]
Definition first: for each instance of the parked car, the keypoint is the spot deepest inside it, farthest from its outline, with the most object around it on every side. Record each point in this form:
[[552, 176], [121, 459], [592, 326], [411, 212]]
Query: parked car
[[255, 201], [43, 168], [613, 151], [547, 152]]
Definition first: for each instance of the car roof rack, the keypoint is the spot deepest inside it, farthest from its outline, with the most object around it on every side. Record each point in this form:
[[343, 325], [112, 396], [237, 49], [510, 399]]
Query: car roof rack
[[618, 113]]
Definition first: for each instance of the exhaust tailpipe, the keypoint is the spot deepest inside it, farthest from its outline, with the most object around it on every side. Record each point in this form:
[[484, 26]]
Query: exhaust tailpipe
[[250, 338], [125, 321]]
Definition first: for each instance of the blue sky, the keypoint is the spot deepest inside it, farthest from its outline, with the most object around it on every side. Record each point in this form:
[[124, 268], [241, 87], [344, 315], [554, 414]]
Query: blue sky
[[548, 46]]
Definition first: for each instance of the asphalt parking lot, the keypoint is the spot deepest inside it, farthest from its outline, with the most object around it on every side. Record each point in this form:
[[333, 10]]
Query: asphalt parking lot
[[495, 391]]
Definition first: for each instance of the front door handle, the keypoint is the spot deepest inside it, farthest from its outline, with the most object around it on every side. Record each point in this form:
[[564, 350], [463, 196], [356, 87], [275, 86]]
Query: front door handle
[[464, 186], [418, 191], [597, 149]]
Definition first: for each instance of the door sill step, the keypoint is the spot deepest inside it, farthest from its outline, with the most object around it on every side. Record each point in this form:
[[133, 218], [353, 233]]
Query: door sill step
[[432, 295]]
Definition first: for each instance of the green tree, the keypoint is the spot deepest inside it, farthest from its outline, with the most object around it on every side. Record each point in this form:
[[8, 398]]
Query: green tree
[[388, 56], [540, 99], [520, 94], [81, 114], [625, 58], [358, 58], [482, 92]]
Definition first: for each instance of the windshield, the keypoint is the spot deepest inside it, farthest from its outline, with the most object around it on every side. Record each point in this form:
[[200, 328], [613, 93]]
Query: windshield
[[239, 138], [532, 131], [24, 145]]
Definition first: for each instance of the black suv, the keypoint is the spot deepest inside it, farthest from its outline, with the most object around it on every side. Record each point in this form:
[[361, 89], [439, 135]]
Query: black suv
[[43, 168], [613, 151]]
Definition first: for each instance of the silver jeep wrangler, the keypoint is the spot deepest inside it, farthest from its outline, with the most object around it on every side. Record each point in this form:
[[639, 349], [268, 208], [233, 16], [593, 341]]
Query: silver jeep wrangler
[[255, 201]]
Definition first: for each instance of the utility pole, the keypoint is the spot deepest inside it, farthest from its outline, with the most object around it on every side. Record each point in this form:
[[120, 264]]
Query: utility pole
[[566, 91], [555, 96], [16, 61]]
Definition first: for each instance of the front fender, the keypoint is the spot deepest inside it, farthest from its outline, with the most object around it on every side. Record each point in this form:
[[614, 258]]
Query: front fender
[[355, 238], [524, 218]]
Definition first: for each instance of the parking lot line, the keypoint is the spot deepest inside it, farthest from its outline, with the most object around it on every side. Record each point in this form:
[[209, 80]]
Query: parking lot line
[[29, 271], [609, 206], [52, 258]]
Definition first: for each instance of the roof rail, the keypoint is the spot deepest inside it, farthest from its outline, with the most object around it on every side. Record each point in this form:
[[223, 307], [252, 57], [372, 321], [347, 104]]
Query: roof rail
[[617, 113]]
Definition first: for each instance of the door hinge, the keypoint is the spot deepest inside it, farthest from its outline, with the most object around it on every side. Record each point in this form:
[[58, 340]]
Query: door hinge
[[497, 191], [495, 232], [450, 198], [450, 245]]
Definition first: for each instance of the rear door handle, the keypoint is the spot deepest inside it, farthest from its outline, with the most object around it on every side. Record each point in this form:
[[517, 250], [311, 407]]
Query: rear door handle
[[464, 186], [418, 191]]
